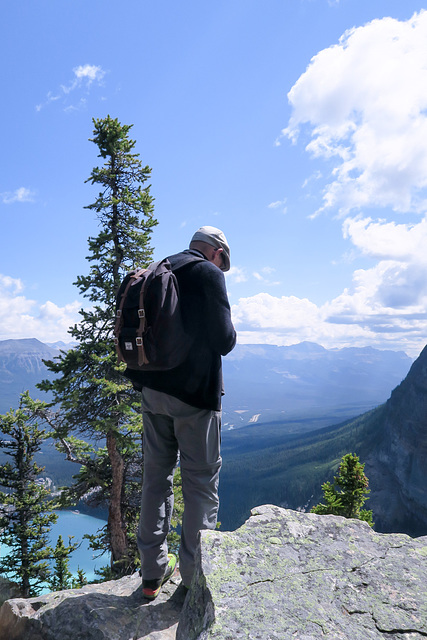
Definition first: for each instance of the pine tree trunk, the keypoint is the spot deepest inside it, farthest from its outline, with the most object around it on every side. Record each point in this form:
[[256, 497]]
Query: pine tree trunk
[[119, 547]]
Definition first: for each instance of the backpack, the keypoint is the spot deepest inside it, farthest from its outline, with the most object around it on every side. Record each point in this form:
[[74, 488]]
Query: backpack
[[149, 334]]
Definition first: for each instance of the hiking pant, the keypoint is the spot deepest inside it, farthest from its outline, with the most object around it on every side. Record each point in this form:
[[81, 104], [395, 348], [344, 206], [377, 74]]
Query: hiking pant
[[174, 430]]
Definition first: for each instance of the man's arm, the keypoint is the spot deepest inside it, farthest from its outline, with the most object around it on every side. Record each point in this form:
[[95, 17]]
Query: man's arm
[[220, 330]]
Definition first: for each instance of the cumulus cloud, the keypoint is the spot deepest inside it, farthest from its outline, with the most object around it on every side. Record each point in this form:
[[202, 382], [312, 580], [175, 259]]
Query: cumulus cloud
[[385, 306], [266, 319], [357, 316], [361, 108], [21, 317], [19, 195], [363, 102], [84, 76], [382, 239]]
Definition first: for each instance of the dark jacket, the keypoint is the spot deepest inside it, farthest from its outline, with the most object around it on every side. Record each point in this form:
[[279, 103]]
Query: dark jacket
[[206, 315]]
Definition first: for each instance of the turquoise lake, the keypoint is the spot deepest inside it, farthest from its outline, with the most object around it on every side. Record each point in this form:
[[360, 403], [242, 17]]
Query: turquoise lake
[[73, 523]]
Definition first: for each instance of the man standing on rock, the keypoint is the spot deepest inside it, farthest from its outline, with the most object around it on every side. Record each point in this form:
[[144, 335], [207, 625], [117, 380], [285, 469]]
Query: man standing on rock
[[182, 415]]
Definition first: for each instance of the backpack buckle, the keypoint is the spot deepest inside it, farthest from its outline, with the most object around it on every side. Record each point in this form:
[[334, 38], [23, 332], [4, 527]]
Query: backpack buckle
[[141, 313], [138, 342]]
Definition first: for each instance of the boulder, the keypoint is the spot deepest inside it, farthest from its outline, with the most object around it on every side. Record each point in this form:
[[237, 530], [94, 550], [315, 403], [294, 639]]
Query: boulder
[[8, 590], [114, 610], [286, 575]]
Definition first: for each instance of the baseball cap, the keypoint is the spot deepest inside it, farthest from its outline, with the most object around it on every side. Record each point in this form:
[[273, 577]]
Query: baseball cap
[[215, 238]]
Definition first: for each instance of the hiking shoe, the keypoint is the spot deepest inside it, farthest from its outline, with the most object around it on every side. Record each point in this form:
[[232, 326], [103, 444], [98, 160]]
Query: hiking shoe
[[151, 588]]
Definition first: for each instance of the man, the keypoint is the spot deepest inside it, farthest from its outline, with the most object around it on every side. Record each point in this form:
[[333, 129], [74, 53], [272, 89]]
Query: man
[[182, 415]]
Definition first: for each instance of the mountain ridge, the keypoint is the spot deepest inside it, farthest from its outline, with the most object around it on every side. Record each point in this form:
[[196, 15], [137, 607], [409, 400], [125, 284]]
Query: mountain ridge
[[264, 380], [267, 464]]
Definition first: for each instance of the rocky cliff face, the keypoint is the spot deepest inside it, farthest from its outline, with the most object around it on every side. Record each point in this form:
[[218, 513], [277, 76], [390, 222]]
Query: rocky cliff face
[[283, 575], [397, 468]]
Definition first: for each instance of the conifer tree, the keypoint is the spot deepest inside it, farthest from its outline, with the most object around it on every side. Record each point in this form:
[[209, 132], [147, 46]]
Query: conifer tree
[[26, 512], [80, 580], [94, 400], [347, 494], [62, 577]]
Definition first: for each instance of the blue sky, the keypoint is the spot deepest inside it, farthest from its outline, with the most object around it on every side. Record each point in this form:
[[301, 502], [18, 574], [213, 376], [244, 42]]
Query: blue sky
[[296, 126]]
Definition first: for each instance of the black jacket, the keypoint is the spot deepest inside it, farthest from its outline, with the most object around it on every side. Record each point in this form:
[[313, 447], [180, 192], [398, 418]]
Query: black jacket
[[206, 315]]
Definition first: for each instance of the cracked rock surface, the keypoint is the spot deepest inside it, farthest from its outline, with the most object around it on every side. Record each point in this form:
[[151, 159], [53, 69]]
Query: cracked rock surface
[[114, 610], [286, 575]]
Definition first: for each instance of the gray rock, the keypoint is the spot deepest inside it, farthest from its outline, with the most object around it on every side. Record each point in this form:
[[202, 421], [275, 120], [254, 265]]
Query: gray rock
[[8, 590], [112, 610], [286, 575], [283, 575]]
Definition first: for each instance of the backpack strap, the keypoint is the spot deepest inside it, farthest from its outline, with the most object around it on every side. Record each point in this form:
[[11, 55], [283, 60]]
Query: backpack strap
[[119, 320], [142, 358]]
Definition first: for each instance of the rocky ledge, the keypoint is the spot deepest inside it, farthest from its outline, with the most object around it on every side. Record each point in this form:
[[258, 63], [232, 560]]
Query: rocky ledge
[[286, 575], [283, 575]]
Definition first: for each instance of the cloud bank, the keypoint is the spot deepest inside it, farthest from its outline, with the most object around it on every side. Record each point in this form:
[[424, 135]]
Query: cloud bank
[[21, 317], [362, 106]]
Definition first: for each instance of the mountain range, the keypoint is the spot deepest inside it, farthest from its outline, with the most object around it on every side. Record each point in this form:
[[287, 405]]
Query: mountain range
[[21, 368], [262, 382], [305, 381], [266, 463]]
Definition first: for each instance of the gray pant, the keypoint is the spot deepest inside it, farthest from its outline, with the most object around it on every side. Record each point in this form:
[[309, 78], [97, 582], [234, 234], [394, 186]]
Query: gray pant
[[175, 430]]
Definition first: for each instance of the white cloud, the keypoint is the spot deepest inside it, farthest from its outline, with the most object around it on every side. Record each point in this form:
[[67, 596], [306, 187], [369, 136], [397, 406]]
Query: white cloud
[[89, 72], [236, 274], [364, 103], [21, 317], [264, 276], [84, 76], [13, 284], [381, 239], [265, 319], [19, 195], [279, 204], [348, 320]]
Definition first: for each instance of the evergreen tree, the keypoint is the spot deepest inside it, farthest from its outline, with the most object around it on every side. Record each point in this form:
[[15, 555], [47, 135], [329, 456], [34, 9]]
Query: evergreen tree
[[80, 580], [61, 577], [26, 512], [95, 401], [347, 494]]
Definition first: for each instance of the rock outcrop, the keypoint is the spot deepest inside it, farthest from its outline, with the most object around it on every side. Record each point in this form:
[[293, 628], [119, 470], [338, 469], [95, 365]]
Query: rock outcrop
[[112, 610], [8, 590], [286, 575], [283, 575]]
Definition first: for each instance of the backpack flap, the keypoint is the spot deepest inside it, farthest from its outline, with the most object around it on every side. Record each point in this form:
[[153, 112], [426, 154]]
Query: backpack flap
[[149, 332], [131, 319]]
